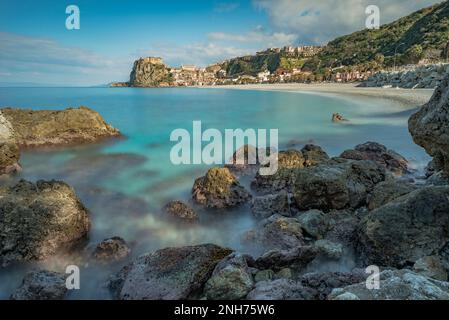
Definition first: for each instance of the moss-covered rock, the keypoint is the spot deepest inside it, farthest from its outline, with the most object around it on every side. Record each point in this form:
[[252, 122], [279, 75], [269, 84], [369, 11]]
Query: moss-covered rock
[[32, 128], [38, 220], [219, 189]]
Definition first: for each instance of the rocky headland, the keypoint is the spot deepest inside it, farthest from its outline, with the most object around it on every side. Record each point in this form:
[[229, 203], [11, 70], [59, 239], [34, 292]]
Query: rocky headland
[[149, 72]]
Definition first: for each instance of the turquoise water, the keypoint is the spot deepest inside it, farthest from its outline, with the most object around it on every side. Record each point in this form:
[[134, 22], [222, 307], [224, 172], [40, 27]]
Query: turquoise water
[[125, 182]]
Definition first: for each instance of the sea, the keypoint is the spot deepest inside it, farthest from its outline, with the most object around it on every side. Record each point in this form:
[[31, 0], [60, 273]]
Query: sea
[[125, 182]]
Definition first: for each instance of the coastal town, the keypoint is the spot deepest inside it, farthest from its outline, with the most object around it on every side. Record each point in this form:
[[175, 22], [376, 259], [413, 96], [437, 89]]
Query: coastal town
[[287, 68]]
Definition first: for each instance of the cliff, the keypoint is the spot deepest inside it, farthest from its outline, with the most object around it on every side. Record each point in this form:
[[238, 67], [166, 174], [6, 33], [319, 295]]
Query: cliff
[[429, 127], [150, 72]]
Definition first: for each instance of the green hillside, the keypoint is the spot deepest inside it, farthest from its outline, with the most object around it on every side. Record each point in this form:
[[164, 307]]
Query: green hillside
[[423, 34]]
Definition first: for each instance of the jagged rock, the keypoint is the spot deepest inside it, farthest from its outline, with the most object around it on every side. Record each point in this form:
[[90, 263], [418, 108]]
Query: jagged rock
[[377, 152], [245, 161], [150, 72], [431, 267], [329, 249], [387, 191], [181, 211], [281, 289], [284, 273], [295, 259], [41, 285], [268, 205], [406, 229], [437, 179], [9, 158], [219, 189], [112, 249], [277, 232], [37, 220], [342, 227], [314, 223], [396, 285], [336, 117], [324, 283], [336, 184], [231, 279], [264, 275], [313, 155], [49, 127], [430, 126], [288, 164], [283, 179], [431, 168], [168, 274]]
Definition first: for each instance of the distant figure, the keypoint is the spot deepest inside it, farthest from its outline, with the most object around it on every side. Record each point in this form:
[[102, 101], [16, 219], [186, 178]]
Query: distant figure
[[336, 117]]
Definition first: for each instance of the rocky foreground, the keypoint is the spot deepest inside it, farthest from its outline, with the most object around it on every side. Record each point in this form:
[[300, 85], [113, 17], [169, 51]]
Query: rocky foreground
[[21, 128], [322, 221]]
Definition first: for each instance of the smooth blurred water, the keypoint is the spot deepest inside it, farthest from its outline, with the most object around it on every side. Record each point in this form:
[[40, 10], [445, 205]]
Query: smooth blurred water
[[125, 182]]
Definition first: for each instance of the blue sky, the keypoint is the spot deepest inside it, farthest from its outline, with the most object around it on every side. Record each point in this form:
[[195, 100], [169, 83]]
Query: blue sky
[[35, 45]]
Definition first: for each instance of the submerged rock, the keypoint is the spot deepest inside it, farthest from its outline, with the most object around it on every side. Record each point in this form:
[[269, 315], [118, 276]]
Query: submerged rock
[[337, 117], [41, 285], [9, 158], [231, 279], [37, 220], [387, 191], [396, 285], [429, 127], [336, 184], [48, 127], [378, 153], [168, 274], [406, 229], [181, 211], [112, 249], [219, 189]]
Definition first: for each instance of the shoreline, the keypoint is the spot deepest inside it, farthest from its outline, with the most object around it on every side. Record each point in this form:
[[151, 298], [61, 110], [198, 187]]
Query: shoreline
[[408, 97]]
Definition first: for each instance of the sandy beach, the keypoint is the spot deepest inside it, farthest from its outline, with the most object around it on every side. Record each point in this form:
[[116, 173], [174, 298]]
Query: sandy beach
[[407, 97]]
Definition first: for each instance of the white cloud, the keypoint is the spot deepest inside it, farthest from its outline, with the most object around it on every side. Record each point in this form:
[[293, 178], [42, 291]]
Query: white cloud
[[319, 21], [258, 36], [24, 58], [200, 54]]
